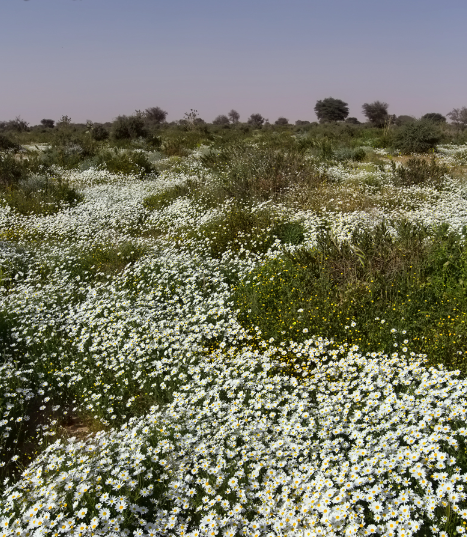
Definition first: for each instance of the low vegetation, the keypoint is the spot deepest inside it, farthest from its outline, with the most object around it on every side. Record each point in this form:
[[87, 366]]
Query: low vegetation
[[234, 328]]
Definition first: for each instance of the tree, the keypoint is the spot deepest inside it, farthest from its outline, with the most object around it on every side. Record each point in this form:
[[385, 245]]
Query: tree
[[418, 137], [155, 114], [301, 122], [234, 116], [352, 121], [64, 122], [127, 127], [331, 109], [48, 123], [402, 120], [221, 120], [435, 117], [99, 133], [256, 120], [17, 124], [281, 121], [458, 116], [376, 113]]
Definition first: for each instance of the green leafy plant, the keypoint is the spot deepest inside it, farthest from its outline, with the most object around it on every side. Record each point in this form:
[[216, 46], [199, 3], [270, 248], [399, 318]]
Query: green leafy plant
[[417, 137]]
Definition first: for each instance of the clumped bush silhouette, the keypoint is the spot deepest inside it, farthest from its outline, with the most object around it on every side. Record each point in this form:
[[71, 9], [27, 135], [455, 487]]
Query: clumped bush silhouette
[[331, 109], [281, 121], [11, 170], [417, 171], [99, 133], [7, 144], [48, 123], [376, 113], [135, 162], [16, 125], [256, 120], [155, 114], [459, 117], [129, 127], [234, 116], [221, 120], [352, 121], [417, 137], [402, 120], [435, 117]]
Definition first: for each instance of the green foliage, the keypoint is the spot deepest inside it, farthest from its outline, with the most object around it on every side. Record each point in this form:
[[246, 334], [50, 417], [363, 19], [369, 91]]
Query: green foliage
[[402, 120], [11, 169], [289, 232], [131, 162], [106, 259], [155, 115], [346, 153], [40, 195], [417, 137], [331, 109], [7, 143], [262, 172], [435, 117], [48, 123], [379, 283], [417, 171], [128, 127], [376, 113], [166, 197], [221, 120], [256, 121], [99, 133]]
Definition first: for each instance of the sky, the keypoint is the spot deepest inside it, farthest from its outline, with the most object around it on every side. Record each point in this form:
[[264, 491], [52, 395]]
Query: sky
[[97, 59]]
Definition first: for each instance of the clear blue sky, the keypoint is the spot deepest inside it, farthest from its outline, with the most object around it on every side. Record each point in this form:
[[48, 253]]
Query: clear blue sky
[[96, 59]]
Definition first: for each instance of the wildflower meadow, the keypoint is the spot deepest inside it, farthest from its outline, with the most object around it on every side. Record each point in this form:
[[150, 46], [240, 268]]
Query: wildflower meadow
[[240, 333]]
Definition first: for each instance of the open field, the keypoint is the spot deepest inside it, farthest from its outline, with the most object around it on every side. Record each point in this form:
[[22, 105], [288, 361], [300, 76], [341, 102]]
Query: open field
[[262, 334]]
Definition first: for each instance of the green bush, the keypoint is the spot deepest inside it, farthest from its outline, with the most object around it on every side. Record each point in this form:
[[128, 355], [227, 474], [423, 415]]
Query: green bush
[[261, 172], [7, 144], [418, 171], [99, 133], [417, 137], [166, 198], [40, 195], [355, 294], [11, 170], [128, 127], [346, 153], [134, 162], [289, 232]]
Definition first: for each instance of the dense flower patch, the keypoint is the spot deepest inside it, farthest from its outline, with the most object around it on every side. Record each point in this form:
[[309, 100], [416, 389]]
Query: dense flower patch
[[117, 311]]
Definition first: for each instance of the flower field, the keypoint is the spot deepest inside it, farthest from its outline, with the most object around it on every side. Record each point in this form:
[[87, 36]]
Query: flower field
[[246, 341]]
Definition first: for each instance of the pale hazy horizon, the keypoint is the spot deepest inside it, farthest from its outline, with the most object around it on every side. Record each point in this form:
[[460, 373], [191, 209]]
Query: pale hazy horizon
[[96, 59]]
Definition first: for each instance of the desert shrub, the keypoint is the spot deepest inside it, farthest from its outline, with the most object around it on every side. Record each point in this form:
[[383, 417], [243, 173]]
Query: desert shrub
[[239, 228], [174, 147], [40, 195], [7, 143], [356, 292], [106, 258], [418, 171], [128, 127], [346, 153], [11, 169], [289, 232], [417, 137], [99, 133], [262, 172], [167, 197], [134, 162]]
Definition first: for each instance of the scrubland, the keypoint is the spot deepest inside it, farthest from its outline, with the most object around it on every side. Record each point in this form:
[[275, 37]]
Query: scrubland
[[233, 332]]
